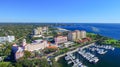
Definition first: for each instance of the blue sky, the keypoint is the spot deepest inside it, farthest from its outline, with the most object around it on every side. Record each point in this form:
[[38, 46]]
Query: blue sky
[[105, 11]]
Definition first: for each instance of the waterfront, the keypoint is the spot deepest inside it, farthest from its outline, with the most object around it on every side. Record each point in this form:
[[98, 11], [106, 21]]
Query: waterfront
[[110, 59], [106, 29]]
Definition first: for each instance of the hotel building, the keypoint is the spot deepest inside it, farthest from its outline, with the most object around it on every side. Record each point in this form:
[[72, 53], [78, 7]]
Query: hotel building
[[76, 35], [72, 36], [17, 51], [40, 31], [83, 34], [60, 39], [36, 45]]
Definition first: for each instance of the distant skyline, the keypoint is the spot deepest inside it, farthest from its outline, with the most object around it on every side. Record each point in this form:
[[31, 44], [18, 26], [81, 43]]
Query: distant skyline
[[80, 11]]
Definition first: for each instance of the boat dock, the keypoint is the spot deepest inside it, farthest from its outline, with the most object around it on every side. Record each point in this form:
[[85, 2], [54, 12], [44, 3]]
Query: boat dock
[[72, 59], [59, 56]]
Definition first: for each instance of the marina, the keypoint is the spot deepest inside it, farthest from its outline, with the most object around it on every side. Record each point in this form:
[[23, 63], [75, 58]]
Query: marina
[[72, 59], [90, 56]]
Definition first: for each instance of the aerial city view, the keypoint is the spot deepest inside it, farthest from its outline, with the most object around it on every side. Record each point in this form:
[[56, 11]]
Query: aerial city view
[[59, 33]]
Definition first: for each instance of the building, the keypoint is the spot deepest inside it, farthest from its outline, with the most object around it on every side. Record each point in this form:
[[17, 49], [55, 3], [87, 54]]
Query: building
[[69, 43], [36, 45], [84, 40], [76, 35], [60, 39], [17, 51], [72, 36], [24, 42], [40, 31], [7, 39], [83, 34], [37, 31]]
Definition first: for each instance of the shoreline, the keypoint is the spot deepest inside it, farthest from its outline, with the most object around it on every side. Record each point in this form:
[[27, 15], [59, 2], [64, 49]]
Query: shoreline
[[109, 39], [93, 33], [62, 29]]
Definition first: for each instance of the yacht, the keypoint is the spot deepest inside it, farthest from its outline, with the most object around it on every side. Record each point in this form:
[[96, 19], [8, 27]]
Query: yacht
[[101, 52], [69, 62], [88, 56]]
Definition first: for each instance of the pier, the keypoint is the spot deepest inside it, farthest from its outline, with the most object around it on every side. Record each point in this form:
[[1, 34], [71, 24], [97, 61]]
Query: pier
[[72, 59], [59, 56]]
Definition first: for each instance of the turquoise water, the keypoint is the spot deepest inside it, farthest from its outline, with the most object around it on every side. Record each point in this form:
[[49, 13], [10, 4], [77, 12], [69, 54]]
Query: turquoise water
[[110, 59]]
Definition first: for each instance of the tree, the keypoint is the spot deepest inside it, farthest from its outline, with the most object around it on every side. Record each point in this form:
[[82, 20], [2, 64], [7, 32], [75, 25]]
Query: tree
[[49, 50], [44, 63], [27, 54], [32, 63], [6, 49], [18, 65], [6, 64], [24, 63], [54, 63]]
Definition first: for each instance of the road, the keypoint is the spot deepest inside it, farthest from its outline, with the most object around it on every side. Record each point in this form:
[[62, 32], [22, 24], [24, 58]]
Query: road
[[19, 39], [57, 58]]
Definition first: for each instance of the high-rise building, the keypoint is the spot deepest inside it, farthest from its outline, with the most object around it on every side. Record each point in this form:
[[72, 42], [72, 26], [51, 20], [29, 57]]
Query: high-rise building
[[83, 34], [72, 36], [40, 30], [76, 35]]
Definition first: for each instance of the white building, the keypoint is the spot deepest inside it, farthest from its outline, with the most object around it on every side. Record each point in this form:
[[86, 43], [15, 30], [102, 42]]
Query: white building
[[69, 43], [36, 45], [40, 31], [7, 38]]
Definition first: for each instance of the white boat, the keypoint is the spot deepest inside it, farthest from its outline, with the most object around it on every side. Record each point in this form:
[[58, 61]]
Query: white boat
[[102, 52], [96, 59], [67, 58], [69, 62], [87, 55]]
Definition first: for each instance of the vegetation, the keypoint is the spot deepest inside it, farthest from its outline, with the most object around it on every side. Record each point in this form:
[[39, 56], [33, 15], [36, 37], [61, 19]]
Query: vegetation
[[36, 63], [32, 63], [102, 40], [49, 50], [53, 31], [5, 50], [36, 38], [27, 54], [6, 64], [20, 30], [54, 63], [24, 31], [61, 51]]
